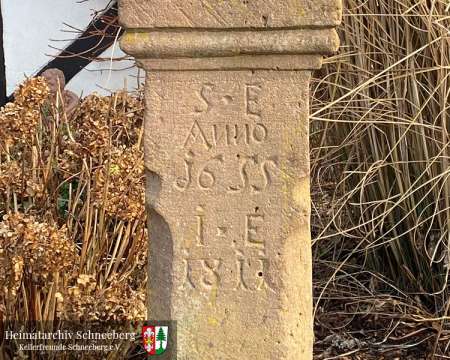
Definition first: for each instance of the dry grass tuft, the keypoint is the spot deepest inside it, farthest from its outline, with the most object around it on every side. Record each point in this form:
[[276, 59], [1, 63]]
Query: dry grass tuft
[[380, 161]]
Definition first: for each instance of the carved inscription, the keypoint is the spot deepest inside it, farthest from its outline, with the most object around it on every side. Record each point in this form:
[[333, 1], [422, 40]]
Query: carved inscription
[[223, 155], [203, 273], [207, 274], [195, 133], [225, 135], [253, 107], [252, 274], [204, 175], [252, 224], [264, 166], [200, 229], [247, 266], [254, 172], [205, 96]]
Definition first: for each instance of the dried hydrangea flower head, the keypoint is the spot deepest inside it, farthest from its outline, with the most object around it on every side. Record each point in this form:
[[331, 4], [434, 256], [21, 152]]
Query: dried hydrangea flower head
[[41, 248], [32, 93], [19, 119], [119, 186], [19, 179], [89, 301], [99, 123]]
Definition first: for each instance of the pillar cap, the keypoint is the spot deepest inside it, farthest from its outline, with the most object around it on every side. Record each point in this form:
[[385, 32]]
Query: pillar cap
[[197, 34], [229, 14]]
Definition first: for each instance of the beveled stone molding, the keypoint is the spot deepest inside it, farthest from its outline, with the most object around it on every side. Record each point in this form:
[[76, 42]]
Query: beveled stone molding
[[201, 44], [243, 62]]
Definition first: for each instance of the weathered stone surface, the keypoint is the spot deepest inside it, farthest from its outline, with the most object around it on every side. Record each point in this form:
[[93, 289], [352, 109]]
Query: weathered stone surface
[[227, 14], [226, 144], [57, 82], [228, 161]]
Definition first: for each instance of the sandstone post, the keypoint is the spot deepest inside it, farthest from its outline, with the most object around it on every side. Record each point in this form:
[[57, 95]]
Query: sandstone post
[[227, 159]]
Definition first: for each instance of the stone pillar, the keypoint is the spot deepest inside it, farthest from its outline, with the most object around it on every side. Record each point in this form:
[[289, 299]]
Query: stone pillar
[[227, 159]]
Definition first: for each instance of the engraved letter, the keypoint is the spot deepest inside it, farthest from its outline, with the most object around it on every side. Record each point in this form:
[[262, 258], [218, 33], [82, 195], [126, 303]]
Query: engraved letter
[[252, 224], [244, 176], [203, 273], [195, 133], [204, 95], [182, 184], [206, 179], [200, 230], [241, 133], [266, 175], [252, 274], [259, 133], [265, 171], [252, 93]]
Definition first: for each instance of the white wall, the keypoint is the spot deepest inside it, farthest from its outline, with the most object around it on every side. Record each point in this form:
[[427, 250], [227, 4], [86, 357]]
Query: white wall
[[32, 26]]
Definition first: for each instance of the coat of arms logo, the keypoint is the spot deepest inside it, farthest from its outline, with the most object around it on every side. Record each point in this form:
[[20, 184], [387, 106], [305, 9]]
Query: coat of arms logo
[[155, 338]]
